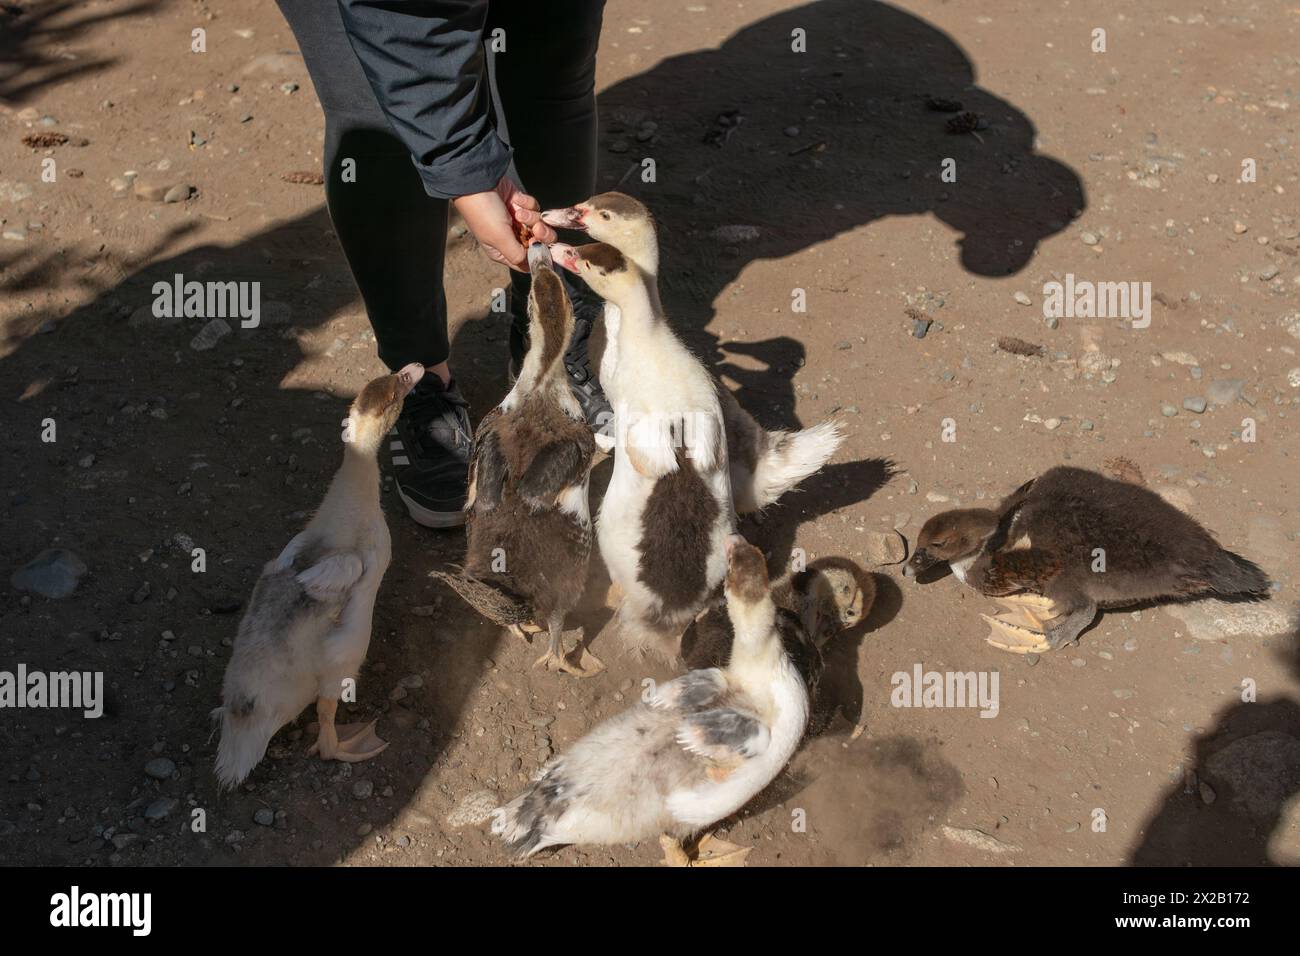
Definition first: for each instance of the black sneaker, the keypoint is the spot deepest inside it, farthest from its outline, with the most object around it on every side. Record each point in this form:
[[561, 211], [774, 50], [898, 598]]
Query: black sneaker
[[431, 447], [587, 309], [586, 387]]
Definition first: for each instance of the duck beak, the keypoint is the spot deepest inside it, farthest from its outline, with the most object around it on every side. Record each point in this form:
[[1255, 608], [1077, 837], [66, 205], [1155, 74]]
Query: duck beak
[[566, 255], [917, 563], [410, 375], [539, 257], [568, 218]]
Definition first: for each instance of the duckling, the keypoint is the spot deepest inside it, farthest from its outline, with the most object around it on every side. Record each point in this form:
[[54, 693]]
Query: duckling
[[528, 525], [830, 596], [694, 751], [667, 510], [764, 464], [307, 627], [1071, 541]]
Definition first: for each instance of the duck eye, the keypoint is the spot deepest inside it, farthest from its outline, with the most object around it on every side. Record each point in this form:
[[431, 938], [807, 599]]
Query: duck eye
[[938, 544], [604, 215]]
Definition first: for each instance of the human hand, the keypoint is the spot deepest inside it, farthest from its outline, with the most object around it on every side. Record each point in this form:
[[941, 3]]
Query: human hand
[[500, 218]]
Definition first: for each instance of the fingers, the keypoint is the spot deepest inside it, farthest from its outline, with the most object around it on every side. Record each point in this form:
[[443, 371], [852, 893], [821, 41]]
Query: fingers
[[525, 201], [511, 253], [492, 223], [530, 216], [542, 232]]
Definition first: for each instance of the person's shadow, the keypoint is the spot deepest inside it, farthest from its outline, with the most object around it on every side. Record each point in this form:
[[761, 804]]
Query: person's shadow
[[799, 147], [1239, 790]]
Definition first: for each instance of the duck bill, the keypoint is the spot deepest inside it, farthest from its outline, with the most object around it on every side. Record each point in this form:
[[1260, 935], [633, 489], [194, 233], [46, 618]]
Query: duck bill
[[566, 256], [569, 217], [410, 376], [917, 563], [539, 257]]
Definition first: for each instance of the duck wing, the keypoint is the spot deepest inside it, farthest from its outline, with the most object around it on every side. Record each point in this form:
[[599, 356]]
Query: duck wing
[[724, 735], [557, 466], [333, 574], [655, 443], [1022, 569], [488, 470], [691, 692]]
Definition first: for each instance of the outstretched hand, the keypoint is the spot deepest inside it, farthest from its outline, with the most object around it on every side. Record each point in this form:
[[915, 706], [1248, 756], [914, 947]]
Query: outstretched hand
[[500, 217]]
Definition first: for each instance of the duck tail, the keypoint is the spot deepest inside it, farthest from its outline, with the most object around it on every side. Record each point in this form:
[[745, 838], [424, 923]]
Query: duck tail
[[245, 735], [526, 822], [786, 459], [1232, 574], [766, 464], [495, 604]]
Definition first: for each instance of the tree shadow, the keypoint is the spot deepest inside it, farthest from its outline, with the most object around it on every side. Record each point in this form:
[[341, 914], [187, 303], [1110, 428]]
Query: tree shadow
[[31, 35], [161, 448], [1239, 791]]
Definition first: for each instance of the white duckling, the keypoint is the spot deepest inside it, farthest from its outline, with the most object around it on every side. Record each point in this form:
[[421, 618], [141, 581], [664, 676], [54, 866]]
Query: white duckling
[[307, 627], [764, 464], [694, 752], [667, 510], [527, 523]]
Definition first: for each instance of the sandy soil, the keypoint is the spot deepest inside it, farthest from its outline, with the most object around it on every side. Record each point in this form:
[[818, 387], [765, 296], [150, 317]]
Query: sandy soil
[[1115, 166]]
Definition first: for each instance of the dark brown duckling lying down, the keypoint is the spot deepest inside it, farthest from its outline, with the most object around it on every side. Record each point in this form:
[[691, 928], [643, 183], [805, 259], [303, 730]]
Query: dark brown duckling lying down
[[1071, 541]]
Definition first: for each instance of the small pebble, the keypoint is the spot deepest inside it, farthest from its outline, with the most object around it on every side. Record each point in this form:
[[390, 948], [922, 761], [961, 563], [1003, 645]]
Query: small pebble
[[160, 768]]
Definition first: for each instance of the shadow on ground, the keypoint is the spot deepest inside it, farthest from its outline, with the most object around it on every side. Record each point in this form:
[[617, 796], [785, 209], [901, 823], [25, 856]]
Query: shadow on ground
[[182, 440]]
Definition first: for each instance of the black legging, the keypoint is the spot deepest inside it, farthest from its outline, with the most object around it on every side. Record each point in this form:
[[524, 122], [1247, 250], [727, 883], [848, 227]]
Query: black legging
[[395, 235]]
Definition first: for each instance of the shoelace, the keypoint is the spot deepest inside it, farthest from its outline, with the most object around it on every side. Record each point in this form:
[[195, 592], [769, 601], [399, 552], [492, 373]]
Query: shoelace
[[427, 404]]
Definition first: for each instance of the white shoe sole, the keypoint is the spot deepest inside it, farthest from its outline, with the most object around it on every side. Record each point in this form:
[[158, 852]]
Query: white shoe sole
[[431, 519]]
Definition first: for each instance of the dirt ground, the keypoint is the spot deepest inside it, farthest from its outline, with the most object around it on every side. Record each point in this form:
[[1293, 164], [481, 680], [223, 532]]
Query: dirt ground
[[1123, 165]]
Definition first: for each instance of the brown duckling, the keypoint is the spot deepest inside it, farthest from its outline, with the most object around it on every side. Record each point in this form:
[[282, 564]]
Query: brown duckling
[[1071, 541], [528, 526]]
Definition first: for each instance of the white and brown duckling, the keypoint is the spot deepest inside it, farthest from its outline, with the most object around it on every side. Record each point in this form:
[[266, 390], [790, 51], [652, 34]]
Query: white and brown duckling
[[528, 527], [667, 510], [695, 751], [307, 627], [764, 464], [830, 596], [1071, 541]]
